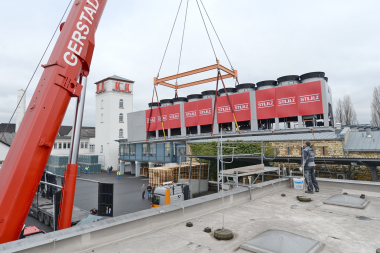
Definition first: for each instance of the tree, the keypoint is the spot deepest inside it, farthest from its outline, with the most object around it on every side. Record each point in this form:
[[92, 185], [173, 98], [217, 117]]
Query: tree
[[375, 107], [345, 112], [339, 112]]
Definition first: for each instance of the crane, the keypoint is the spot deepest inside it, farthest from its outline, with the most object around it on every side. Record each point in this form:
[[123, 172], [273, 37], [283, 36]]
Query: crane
[[64, 77]]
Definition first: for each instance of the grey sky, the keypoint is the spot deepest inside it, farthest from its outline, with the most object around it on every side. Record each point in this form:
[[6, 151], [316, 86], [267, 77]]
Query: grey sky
[[264, 40]]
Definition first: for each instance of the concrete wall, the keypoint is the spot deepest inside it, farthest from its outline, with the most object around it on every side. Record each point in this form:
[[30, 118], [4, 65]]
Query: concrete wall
[[93, 235]]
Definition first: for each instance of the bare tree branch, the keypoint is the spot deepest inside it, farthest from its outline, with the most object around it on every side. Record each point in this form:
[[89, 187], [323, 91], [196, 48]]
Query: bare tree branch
[[345, 112], [375, 107], [339, 113]]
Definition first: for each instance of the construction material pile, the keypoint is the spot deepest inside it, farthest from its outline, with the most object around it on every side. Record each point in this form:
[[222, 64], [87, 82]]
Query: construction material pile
[[159, 175], [57, 164]]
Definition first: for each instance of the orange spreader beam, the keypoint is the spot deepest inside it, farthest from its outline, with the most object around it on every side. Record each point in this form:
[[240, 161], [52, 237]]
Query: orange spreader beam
[[162, 81]]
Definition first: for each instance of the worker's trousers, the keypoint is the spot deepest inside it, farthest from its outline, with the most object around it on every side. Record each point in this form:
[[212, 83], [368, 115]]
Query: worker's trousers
[[143, 194], [310, 179]]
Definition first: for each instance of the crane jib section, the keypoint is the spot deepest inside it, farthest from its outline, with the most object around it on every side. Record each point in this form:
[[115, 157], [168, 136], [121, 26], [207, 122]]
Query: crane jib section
[[27, 157]]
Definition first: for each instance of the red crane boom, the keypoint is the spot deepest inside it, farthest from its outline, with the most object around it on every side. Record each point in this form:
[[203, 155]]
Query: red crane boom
[[26, 160]]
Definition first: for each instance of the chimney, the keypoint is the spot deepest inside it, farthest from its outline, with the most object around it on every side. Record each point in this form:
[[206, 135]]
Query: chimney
[[21, 108]]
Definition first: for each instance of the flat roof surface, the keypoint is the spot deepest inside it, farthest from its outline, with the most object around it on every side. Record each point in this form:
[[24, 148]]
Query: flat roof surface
[[341, 229]]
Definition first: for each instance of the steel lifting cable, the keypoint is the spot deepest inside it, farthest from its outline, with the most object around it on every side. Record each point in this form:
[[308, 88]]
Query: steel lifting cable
[[167, 45], [150, 114], [183, 35], [38, 65], [228, 99], [216, 58], [216, 34]]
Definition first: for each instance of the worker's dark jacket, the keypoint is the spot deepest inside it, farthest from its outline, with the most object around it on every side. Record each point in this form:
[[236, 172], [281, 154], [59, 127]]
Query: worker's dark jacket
[[307, 158]]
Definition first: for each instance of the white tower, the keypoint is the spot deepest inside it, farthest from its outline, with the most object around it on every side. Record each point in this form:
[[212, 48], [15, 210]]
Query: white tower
[[21, 108], [114, 99]]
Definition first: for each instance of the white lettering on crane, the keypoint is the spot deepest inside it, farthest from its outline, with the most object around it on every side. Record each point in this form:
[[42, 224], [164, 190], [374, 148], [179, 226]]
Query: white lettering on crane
[[76, 42], [90, 11], [97, 4]]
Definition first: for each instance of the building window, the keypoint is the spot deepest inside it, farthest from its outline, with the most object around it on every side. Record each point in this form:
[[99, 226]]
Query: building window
[[126, 149], [120, 133], [122, 149], [101, 149], [101, 105], [132, 149], [152, 149], [323, 150], [59, 145], [288, 151], [121, 118], [101, 118], [167, 149], [82, 145], [145, 149], [55, 145], [86, 145], [121, 103], [64, 145], [92, 148], [68, 145]]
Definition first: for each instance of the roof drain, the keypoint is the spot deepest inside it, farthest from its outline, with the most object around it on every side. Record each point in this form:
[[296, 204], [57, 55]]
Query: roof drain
[[278, 241]]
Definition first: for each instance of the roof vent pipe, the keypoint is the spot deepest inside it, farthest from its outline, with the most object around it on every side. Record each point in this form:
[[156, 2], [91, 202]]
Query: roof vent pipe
[[368, 132]]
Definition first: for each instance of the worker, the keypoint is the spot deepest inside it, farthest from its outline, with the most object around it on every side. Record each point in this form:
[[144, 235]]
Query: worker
[[307, 161], [143, 191], [94, 211], [118, 175], [149, 189], [86, 169], [110, 170]]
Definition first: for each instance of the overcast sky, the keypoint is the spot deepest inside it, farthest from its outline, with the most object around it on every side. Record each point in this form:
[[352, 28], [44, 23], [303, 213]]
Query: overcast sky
[[263, 39]]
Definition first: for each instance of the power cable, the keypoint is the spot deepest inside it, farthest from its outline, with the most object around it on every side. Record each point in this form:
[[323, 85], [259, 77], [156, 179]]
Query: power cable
[[217, 35], [183, 35], [216, 58], [175, 20], [43, 55]]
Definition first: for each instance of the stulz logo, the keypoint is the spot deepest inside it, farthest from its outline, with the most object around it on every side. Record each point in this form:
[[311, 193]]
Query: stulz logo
[[203, 112], [265, 103], [286, 101], [165, 117], [224, 109], [152, 120], [174, 116], [309, 98], [191, 114], [241, 107], [83, 26]]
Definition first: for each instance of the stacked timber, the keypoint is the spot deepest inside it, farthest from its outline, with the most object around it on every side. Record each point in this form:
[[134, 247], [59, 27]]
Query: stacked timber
[[159, 175]]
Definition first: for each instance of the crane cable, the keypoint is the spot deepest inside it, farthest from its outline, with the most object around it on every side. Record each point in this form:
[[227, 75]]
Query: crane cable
[[216, 34], [167, 45], [38, 65], [216, 58], [183, 35]]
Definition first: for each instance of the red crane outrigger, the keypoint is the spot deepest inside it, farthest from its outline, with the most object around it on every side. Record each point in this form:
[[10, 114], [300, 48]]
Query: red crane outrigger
[[24, 165]]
